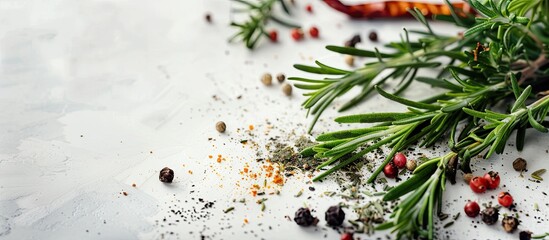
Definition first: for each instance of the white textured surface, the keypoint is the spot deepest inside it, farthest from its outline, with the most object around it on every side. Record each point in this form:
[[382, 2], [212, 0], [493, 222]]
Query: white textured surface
[[97, 95]]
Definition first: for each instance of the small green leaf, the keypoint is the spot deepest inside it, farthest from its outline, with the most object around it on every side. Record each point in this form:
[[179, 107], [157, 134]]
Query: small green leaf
[[406, 101], [374, 117]]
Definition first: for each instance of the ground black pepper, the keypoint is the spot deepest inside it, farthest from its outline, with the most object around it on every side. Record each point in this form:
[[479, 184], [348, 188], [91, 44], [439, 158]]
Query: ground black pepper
[[166, 175], [334, 216]]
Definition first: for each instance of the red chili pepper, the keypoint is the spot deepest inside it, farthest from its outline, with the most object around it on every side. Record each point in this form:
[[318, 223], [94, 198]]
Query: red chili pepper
[[395, 9]]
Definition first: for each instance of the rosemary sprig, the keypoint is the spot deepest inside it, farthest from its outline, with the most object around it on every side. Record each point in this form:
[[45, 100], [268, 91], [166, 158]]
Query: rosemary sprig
[[501, 56], [259, 12]]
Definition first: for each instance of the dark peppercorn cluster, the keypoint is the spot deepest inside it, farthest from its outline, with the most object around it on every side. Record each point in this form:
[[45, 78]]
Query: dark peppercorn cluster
[[303, 217], [335, 216]]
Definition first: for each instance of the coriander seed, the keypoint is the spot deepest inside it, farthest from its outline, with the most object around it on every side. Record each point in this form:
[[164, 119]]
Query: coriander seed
[[467, 177], [411, 164], [287, 89], [280, 77], [519, 164], [267, 79], [220, 126], [350, 60]]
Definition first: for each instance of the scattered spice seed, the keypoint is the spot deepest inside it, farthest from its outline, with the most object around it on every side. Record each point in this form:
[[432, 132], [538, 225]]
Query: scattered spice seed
[[262, 207], [525, 235], [287, 89], [228, 210], [304, 218], [519, 164], [372, 36], [309, 8], [313, 31], [125, 193], [347, 236], [166, 175], [350, 60], [299, 193], [267, 79], [353, 41], [208, 17], [273, 36], [467, 177], [220, 126], [134, 185], [334, 216], [490, 215], [509, 223], [280, 77], [411, 165]]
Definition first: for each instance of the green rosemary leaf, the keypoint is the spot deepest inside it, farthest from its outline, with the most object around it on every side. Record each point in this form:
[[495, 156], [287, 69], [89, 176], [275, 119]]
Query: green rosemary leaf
[[331, 70], [535, 123], [483, 9], [345, 134], [441, 83], [521, 99], [312, 69], [374, 117], [478, 28], [409, 185], [406, 101], [358, 52]]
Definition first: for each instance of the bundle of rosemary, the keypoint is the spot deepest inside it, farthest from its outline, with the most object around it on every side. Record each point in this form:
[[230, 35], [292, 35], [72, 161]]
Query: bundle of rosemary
[[501, 58]]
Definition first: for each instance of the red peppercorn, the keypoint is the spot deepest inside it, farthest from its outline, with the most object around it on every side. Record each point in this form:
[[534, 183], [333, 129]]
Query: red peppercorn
[[399, 160], [505, 199], [390, 170], [273, 35], [313, 31], [472, 209], [297, 34], [493, 179], [478, 184], [347, 236], [309, 8]]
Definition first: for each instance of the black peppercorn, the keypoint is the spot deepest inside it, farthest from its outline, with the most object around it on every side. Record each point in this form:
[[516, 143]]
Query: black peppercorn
[[490, 215], [509, 223], [303, 217], [525, 235], [335, 216], [208, 17], [353, 41], [166, 175], [373, 36]]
